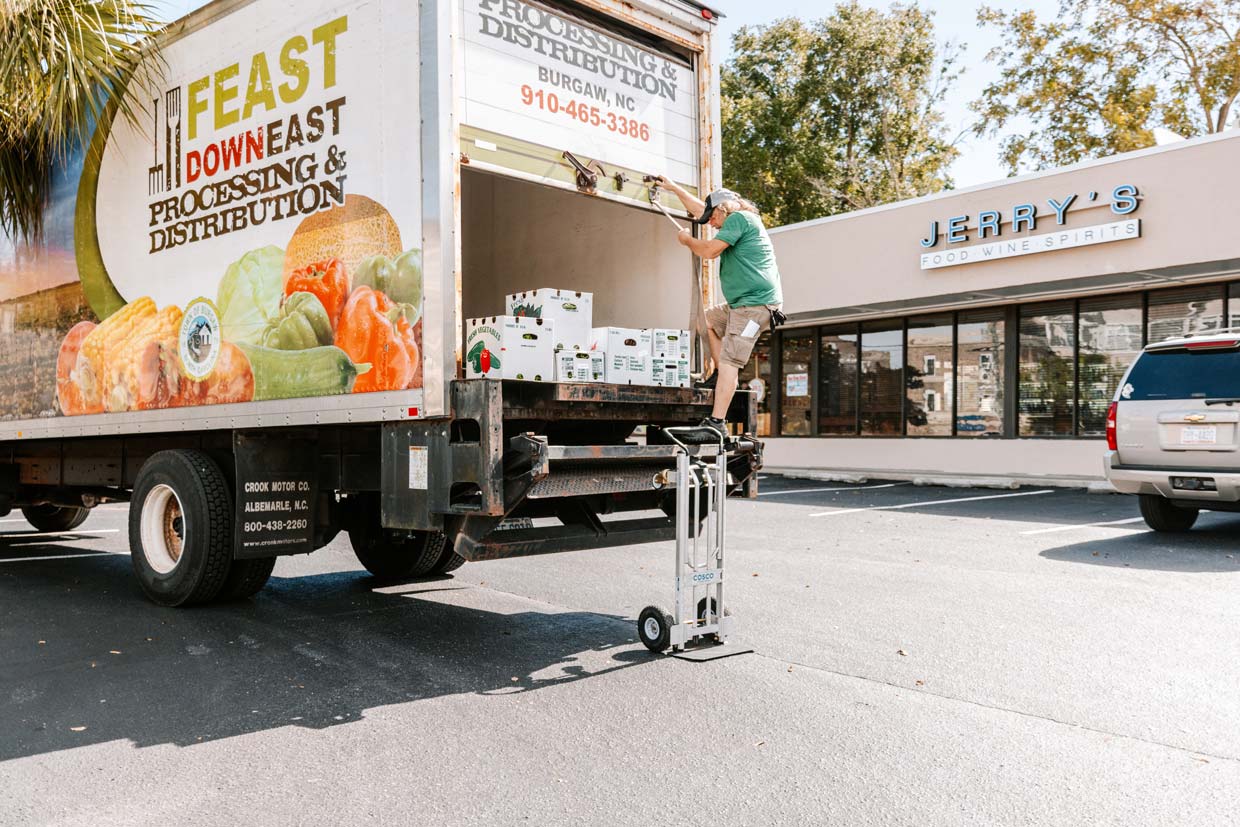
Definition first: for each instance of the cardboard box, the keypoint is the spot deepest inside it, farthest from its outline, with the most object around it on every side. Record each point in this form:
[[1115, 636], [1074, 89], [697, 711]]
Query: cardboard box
[[579, 366], [670, 343], [616, 341], [571, 312], [510, 347], [628, 369], [671, 373]]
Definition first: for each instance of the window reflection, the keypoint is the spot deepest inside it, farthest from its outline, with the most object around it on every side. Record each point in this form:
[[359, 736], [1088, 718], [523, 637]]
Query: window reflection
[[1047, 344], [980, 362], [1182, 312], [837, 382], [1110, 335], [930, 376], [794, 413], [882, 379]]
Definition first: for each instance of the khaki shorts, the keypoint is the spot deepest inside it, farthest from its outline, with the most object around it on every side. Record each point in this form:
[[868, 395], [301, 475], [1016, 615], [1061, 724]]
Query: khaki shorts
[[731, 324]]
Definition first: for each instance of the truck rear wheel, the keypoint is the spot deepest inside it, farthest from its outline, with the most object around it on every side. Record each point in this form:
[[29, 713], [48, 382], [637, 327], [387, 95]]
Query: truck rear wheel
[[246, 578], [1162, 515], [48, 517], [450, 561], [180, 528], [391, 557]]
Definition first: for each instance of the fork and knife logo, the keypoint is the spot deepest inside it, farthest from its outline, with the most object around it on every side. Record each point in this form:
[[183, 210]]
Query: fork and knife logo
[[165, 175]]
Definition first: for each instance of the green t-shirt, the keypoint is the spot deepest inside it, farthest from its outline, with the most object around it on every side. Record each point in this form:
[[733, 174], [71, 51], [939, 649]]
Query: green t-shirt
[[747, 268]]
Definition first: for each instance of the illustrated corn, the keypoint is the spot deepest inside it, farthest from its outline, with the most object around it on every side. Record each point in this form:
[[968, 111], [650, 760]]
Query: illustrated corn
[[112, 363]]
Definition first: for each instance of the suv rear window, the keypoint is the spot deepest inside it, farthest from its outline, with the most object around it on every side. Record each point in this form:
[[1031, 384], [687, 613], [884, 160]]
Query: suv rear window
[[1184, 374]]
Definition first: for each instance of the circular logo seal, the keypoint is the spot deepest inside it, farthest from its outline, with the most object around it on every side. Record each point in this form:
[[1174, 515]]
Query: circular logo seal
[[200, 339]]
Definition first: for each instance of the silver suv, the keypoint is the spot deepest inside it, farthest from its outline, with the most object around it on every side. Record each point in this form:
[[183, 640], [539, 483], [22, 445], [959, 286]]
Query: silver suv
[[1173, 429]]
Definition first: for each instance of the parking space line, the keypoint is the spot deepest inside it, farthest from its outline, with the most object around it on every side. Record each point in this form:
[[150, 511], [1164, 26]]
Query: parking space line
[[1053, 529], [65, 557], [36, 534], [931, 502], [824, 490]]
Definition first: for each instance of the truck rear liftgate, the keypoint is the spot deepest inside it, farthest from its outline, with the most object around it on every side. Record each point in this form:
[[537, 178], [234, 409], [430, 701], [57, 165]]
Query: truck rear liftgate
[[526, 468]]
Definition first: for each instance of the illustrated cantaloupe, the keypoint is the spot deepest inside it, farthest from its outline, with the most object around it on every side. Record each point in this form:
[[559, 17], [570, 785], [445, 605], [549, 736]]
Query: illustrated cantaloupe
[[352, 232]]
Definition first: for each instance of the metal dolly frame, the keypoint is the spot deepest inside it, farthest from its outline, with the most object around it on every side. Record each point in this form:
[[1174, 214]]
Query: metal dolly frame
[[700, 532]]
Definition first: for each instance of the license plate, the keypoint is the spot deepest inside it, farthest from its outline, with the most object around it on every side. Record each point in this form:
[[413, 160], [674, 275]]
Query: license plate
[[1198, 435]]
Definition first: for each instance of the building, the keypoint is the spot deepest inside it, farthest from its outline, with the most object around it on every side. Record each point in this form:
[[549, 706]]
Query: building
[[984, 330]]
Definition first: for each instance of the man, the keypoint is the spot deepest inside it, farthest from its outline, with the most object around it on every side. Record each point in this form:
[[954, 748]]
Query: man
[[750, 281]]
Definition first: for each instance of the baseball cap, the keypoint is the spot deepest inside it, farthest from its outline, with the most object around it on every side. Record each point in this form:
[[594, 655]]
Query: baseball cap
[[714, 199]]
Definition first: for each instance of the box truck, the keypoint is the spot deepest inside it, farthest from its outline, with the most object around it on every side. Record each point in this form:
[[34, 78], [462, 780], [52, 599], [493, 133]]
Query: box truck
[[246, 314]]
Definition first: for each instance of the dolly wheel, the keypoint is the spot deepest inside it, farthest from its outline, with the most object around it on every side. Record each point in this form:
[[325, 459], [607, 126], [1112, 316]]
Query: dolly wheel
[[654, 627]]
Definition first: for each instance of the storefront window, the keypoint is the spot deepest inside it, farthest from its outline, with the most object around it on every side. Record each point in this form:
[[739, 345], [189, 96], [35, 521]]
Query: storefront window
[[1233, 304], [882, 378], [929, 377], [979, 374], [1047, 345], [837, 381], [1185, 311], [1110, 337], [797, 352], [756, 377]]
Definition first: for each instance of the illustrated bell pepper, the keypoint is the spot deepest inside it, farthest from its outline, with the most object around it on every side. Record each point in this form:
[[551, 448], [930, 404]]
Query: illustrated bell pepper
[[328, 280], [400, 280], [302, 323], [375, 330]]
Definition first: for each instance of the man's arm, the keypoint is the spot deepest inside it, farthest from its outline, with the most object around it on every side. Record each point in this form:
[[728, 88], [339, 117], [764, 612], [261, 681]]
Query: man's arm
[[694, 206], [701, 247]]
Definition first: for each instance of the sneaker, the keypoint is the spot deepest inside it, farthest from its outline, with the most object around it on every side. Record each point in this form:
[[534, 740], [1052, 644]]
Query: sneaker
[[706, 432], [708, 384]]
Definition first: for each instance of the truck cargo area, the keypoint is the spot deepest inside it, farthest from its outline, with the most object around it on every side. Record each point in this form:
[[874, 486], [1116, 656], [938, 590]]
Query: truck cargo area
[[518, 235]]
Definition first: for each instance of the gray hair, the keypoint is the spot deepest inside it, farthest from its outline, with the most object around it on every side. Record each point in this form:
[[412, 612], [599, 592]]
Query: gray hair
[[736, 205]]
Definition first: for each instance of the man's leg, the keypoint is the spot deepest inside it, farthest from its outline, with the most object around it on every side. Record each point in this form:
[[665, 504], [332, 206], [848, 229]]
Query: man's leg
[[725, 388], [716, 345]]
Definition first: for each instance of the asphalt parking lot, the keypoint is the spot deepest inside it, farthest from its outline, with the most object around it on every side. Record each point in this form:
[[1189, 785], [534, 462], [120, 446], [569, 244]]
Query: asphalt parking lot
[[923, 656]]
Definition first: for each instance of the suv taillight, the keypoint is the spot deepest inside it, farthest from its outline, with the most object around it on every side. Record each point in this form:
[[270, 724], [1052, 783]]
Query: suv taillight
[[1112, 442]]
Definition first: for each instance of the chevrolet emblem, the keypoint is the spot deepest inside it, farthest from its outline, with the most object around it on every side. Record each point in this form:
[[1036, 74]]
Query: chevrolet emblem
[[1194, 417]]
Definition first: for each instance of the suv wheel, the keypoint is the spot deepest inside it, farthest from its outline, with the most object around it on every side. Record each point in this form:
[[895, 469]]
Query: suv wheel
[[1162, 515]]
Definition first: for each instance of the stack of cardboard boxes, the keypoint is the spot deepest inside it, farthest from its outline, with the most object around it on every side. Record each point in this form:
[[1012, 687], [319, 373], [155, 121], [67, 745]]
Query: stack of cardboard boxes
[[547, 336]]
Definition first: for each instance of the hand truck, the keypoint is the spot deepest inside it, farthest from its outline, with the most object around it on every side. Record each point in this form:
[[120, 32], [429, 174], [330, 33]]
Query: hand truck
[[701, 497]]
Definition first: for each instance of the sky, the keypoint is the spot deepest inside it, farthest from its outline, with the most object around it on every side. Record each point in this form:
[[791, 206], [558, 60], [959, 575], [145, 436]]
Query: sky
[[955, 20]]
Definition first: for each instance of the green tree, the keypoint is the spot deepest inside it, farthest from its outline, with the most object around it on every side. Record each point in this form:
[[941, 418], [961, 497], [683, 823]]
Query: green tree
[[1100, 77], [59, 59], [837, 114]]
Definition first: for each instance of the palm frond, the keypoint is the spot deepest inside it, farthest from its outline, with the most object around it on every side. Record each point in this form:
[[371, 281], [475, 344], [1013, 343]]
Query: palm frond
[[60, 62]]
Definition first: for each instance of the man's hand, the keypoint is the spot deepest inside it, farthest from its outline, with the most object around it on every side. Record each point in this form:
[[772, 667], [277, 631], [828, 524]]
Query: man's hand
[[684, 237]]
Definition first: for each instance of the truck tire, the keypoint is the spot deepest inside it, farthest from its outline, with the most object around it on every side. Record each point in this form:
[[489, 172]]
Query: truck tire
[[450, 561], [1162, 515], [48, 517], [394, 558], [246, 578], [180, 528]]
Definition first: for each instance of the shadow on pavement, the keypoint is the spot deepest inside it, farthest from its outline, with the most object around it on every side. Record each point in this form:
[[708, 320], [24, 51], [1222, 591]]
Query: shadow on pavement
[[80, 647], [1212, 549]]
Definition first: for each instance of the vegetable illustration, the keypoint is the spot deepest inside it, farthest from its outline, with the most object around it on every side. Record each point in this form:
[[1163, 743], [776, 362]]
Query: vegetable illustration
[[532, 310], [68, 392], [316, 371], [123, 375], [328, 280], [401, 279], [301, 323], [375, 330], [163, 384], [249, 294], [483, 359]]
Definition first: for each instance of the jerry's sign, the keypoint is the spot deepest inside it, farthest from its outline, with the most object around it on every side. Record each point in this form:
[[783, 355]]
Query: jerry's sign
[[1125, 199]]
